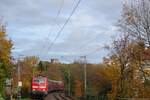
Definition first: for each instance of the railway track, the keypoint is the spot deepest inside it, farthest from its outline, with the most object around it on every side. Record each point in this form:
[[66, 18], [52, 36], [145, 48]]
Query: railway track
[[64, 97], [57, 96]]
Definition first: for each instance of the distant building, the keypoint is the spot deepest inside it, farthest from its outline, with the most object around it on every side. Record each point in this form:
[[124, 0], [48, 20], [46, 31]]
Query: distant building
[[55, 61]]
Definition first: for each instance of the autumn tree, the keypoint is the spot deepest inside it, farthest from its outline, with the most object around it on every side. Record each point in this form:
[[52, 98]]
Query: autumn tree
[[126, 61], [5, 56], [121, 57], [127, 50], [31, 62], [71, 74], [98, 84], [28, 68], [136, 20]]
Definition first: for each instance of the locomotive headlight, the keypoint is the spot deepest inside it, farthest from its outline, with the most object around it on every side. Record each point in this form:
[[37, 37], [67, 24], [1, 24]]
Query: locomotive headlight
[[43, 87], [34, 86]]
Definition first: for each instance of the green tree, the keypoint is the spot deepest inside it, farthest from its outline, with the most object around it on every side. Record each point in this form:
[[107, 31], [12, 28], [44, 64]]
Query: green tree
[[41, 66], [5, 56]]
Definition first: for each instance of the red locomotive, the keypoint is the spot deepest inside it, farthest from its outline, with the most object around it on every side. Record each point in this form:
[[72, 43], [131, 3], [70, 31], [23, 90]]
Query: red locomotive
[[42, 85]]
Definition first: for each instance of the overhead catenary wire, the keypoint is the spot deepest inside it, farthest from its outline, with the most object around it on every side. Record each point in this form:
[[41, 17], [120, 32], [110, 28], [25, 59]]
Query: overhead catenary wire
[[52, 43], [82, 47], [85, 44], [61, 29], [94, 51], [66, 22], [85, 54], [56, 17]]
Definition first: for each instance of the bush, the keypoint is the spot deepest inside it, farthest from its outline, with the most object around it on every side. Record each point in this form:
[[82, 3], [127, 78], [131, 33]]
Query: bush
[[1, 98]]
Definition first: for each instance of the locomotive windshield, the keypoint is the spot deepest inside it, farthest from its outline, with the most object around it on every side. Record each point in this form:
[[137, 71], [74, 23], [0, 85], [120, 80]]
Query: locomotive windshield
[[39, 80]]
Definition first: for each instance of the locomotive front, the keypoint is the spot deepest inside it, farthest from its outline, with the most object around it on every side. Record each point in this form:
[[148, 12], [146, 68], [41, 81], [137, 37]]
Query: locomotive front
[[39, 85]]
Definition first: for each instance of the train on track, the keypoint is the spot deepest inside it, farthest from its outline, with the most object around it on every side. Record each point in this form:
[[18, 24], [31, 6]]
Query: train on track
[[41, 85]]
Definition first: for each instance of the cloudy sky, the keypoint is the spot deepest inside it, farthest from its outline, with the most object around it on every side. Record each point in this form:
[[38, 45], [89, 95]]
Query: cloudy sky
[[33, 25]]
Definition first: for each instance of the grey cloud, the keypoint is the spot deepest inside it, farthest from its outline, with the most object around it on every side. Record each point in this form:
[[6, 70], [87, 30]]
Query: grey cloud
[[108, 7], [29, 22], [30, 12]]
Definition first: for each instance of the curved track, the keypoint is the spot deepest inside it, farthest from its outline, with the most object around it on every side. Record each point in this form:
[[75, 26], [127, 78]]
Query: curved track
[[54, 96], [57, 96]]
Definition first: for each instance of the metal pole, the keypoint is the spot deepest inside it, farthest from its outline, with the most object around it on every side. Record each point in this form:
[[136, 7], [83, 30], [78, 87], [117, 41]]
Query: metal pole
[[69, 79], [85, 78], [19, 80], [18, 71], [18, 67]]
